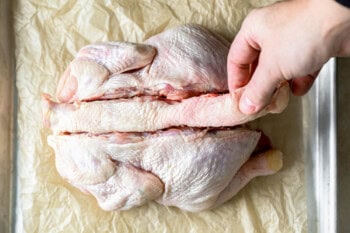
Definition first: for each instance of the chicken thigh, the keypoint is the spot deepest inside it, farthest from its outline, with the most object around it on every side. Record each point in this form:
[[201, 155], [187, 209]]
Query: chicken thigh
[[154, 121]]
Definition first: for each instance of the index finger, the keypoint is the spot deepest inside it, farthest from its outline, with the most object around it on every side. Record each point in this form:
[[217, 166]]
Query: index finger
[[242, 54]]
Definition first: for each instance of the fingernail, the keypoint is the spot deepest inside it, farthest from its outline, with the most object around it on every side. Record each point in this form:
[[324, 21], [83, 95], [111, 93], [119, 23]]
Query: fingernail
[[247, 106]]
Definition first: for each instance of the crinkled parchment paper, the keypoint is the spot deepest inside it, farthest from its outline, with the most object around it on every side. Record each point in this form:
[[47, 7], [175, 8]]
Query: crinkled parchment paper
[[48, 35]]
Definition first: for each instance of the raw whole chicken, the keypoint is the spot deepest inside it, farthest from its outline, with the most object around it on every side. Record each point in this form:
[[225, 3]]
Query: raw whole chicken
[[154, 121]]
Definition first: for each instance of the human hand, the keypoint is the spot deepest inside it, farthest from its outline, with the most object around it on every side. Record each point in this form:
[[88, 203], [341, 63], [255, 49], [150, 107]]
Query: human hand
[[290, 40]]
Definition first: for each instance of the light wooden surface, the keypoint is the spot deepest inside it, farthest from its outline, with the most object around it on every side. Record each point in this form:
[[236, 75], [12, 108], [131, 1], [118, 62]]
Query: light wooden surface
[[6, 110]]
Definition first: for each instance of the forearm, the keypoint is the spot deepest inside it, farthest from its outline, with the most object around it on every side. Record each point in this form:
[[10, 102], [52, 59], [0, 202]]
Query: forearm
[[345, 3], [336, 24], [288, 40]]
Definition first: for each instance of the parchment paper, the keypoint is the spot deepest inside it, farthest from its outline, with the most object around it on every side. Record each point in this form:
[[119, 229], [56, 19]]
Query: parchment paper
[[48, 35]]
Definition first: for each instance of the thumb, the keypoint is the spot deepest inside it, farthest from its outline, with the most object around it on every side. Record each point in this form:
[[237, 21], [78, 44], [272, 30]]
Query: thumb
[[259, 90]]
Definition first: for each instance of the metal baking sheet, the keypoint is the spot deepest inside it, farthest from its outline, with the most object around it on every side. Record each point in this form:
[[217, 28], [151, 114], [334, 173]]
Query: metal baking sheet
[[319, 124], [7, 106]]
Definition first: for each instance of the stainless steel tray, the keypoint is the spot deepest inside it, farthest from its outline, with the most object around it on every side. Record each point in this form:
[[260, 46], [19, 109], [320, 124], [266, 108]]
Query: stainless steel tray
[[319, 125], [6, 116]]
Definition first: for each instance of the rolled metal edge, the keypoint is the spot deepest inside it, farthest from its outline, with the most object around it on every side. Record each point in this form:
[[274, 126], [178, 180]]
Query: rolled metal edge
[[319, 125], [7, 128]]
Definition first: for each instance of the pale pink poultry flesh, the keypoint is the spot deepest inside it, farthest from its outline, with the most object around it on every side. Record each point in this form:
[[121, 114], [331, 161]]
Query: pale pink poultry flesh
[[176, 64], [140, 114], [142, 122], [192, 169]]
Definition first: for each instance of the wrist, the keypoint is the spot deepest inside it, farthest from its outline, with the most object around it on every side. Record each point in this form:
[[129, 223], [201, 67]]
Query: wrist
[[345, 3], [335, 25]]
